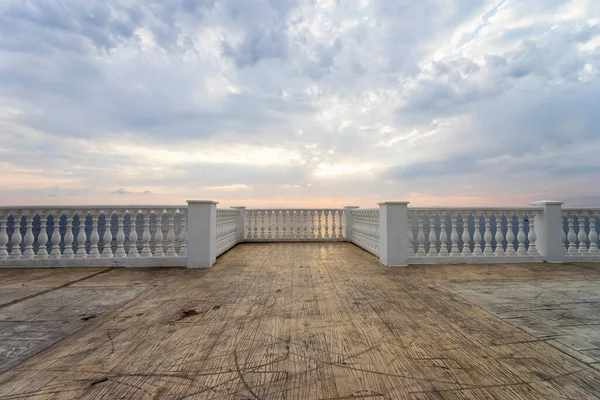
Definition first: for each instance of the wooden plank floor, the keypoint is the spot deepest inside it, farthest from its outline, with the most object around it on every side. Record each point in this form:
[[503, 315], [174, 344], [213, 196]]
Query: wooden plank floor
[[301, 321]]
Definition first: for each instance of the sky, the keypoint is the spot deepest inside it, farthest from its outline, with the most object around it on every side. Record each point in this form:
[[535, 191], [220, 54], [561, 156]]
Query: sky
[[300, 103]]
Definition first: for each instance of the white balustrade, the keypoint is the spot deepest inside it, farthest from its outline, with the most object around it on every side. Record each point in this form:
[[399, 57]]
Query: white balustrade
[[158, 235], [581, 237], [227, 234], [44, 237], [275, 225], [464, 244], [365, 229]]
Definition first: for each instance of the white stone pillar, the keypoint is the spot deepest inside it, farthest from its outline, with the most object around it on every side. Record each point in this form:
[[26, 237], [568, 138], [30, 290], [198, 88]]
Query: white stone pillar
[[393, 237], [348, 221], [201, 233], [240, 222], [549, 228]]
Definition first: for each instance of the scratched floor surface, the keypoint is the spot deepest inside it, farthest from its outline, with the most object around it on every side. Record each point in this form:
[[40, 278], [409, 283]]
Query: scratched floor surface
[[301, 321]]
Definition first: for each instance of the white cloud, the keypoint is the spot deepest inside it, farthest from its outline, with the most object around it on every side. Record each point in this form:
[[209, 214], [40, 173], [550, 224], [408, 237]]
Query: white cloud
[[353, 101]]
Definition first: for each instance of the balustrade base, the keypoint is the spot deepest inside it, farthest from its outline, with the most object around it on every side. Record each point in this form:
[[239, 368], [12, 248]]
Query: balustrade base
[[474, 260], [582, 258], [97, 262]]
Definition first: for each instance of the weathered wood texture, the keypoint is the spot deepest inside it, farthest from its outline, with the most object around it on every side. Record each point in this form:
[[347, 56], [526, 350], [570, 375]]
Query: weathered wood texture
[[305, 321]]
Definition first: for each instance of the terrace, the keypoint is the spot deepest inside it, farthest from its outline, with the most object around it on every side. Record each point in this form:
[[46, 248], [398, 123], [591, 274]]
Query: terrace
[[294, 307]]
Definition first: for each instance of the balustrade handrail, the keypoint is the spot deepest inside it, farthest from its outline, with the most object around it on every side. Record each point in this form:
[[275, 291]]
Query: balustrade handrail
[[91, 207], [458, 209], [294, 209]]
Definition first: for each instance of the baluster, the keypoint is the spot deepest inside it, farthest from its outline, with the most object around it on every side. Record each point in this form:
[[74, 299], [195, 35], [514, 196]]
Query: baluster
[[171, 235], [16, 237], [68, 239], [299, 227], [571, 235], [305, 224], [133, 236], [3, 235], [341, 223], [375, 222], [477, 248], [466, 235], [499, 235], [510, 234], [158, 235], [81, 236], [443, 234], [319, 226], [255, 224], [283, 224], [296, 224], [262, 224], [582, 236], [487, 236], [276, 219], [183, 234], [270, 226], [120, 251], [29, 238], [94, 237], [521, 236], [316, 229], [333, 226], [107, 237], [309, 224], [42, 252], [146, 252], [432, 235], [532, 236], [295, 221], [55, 239], [593, 236], [563, 238], [454, 236], [420, 235], [327, 232]]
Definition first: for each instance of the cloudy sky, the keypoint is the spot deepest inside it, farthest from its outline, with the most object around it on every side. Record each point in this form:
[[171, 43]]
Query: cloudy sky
[[300, 102]]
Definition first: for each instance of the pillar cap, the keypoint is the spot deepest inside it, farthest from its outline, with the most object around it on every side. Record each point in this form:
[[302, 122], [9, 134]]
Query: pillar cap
[[393, 203], [202, 202], [547, 203]]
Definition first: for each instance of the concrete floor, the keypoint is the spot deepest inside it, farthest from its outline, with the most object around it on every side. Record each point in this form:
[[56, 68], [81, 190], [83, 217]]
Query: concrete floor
[[301, 321]]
